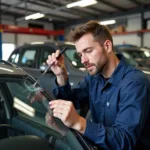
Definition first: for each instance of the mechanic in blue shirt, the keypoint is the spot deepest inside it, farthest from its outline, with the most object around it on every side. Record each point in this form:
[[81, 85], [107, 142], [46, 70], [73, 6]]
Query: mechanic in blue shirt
[[118, 94]]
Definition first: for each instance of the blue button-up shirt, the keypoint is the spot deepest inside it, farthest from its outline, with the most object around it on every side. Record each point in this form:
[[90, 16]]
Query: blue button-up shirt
[[118, 105]]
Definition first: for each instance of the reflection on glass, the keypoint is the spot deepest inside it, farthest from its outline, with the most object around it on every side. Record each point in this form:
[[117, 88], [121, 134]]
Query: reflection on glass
[[18, 104]]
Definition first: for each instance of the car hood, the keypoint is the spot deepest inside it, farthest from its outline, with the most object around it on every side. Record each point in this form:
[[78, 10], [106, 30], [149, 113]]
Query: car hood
[[11, 70]]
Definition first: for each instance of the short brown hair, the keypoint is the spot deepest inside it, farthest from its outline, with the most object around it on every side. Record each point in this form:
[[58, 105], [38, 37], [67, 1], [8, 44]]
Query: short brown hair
[[99, 32]]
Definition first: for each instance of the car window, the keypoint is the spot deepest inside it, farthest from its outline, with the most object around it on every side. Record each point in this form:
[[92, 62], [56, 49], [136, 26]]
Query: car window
[[28, 58], [73, 57], [20, 92], [14, 57], [139, 54], [46, 50], [129, 59], [32, 105], [29, 104]]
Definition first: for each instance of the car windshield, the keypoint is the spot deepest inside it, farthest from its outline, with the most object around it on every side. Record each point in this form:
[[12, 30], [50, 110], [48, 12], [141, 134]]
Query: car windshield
[[32, 102], [129, 59], [141, 53]]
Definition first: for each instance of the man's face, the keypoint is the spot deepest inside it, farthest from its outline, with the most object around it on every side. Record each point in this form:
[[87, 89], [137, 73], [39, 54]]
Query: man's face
[[93, 55]]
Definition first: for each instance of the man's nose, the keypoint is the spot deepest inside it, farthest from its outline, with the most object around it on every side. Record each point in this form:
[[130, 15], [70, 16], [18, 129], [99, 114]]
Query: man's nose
[[84, 59]]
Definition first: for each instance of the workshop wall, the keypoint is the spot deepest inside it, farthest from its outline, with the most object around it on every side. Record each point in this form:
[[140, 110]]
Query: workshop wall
[[19, 39], [133, 24]]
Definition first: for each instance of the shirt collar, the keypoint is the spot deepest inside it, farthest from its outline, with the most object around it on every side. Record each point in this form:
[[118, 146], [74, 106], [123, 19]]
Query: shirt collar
[[118, 72]]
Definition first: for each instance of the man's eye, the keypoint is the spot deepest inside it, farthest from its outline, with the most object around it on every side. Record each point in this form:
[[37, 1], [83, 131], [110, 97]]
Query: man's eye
[[88, 51]]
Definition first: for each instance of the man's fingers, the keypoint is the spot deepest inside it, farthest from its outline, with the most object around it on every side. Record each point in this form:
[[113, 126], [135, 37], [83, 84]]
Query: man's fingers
[[58, 115], [61, 102], [52, 58], [60, 107], [57, 53], [49, 59], [60, 110]]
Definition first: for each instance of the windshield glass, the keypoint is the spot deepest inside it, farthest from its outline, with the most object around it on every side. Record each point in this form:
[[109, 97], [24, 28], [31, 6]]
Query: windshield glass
[[32, 103], [129, 59], [139, 53]]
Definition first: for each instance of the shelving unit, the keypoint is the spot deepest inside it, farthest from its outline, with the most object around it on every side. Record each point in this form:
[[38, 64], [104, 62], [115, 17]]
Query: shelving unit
[[132, 32]]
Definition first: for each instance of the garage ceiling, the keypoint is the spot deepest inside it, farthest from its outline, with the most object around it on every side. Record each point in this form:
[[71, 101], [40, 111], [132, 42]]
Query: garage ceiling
[[56, 11]]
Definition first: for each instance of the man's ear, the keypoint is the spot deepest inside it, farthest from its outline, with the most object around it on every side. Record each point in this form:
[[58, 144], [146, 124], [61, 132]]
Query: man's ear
[[108, 46]]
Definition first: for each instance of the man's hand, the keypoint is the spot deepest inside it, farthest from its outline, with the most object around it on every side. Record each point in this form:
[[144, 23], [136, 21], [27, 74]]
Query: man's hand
[[58, 67], [65, 111]]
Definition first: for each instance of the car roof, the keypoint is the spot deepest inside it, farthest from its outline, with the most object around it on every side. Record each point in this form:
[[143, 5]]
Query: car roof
[[9, 69], [52, 43], [131, 49], [125, 45]]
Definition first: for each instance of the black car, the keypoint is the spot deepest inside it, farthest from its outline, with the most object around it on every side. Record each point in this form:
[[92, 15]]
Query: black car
[[32, 58], [21, 115]]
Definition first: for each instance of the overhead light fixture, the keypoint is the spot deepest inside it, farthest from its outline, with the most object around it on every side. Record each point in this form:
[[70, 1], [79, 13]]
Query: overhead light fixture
[[85, 3], [107, 22], [82, 3], [34, 16]]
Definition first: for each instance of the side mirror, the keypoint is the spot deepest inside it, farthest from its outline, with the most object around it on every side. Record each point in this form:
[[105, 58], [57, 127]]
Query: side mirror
[[43, 67]]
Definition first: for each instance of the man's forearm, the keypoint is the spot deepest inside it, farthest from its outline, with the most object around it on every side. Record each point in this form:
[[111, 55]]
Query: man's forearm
[[62, 78], [80, 125]]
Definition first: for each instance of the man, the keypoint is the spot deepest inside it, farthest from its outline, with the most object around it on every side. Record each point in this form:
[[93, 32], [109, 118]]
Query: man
[[118, 93]]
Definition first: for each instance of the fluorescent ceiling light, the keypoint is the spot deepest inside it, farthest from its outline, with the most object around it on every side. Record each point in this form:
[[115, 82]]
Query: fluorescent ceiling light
[[82, 3], [34, 16], [85, 3], [33, 43], [108, 22]]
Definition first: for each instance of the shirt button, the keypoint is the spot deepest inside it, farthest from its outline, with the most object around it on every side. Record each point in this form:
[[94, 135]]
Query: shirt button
[[107, 104]]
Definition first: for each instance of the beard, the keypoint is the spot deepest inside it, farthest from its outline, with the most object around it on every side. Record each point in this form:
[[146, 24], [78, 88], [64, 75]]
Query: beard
[[97, 67]]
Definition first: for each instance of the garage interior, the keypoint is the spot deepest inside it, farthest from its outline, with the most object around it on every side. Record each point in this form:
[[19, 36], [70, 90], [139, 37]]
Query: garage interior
[[27, 25], [131, 20]]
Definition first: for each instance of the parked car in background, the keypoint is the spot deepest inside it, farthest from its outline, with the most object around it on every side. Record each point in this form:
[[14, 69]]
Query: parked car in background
[[32, 58], [141, 55], [130, 60], [126, 45], [23, 108]]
